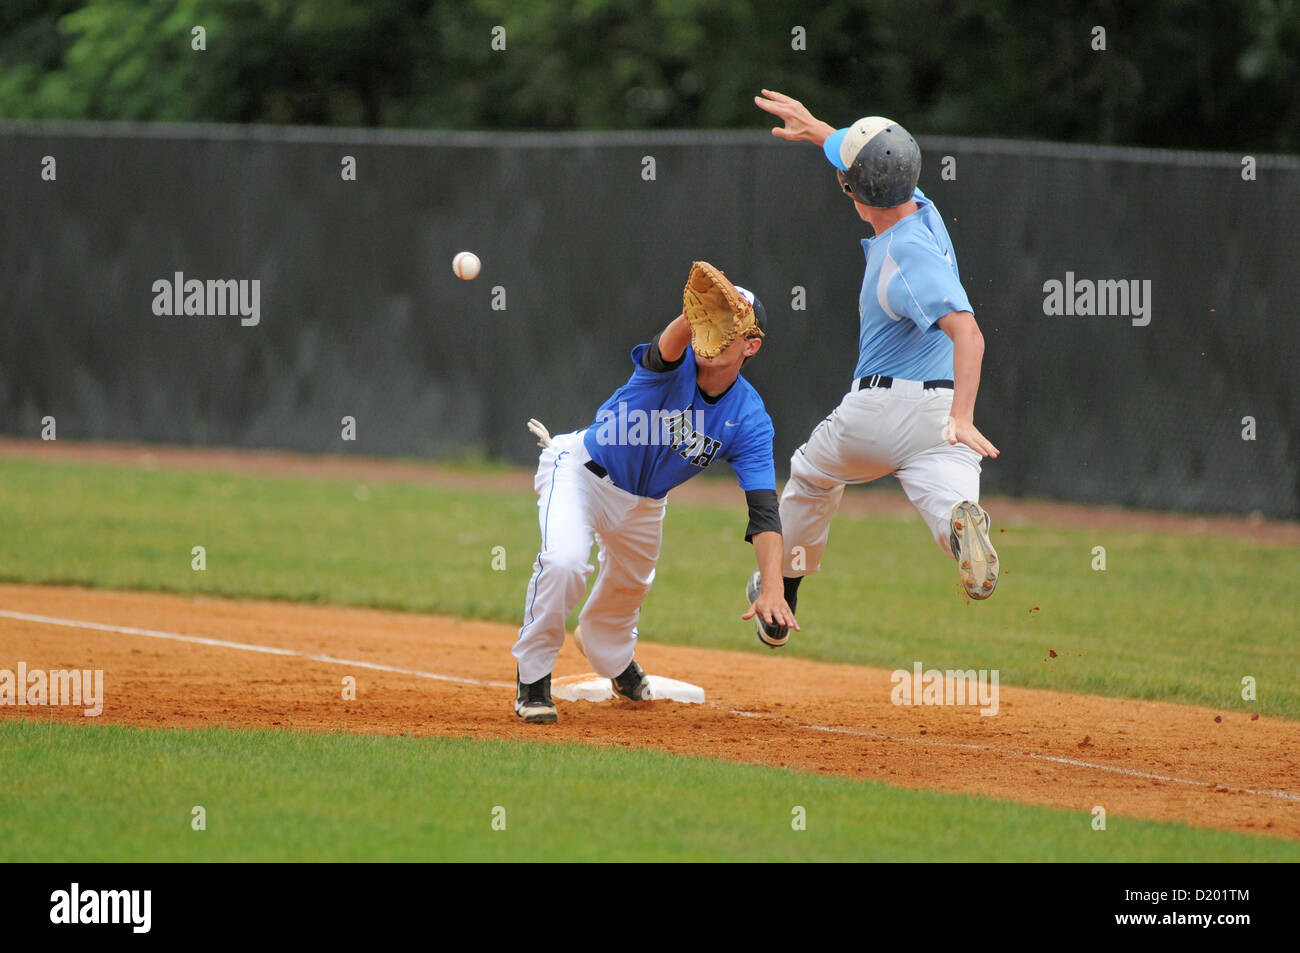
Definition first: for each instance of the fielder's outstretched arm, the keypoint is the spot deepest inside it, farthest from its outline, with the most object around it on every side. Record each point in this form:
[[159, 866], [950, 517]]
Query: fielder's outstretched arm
[[771, 604], [675, 338], [967, 357]]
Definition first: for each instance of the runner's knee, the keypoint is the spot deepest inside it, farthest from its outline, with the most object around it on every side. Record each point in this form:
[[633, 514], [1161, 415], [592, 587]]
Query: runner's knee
[[807, 478]]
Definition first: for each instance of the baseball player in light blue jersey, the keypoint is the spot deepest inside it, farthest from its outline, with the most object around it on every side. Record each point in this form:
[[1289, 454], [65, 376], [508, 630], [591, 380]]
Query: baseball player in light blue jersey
[[910, 410], [677, 414]]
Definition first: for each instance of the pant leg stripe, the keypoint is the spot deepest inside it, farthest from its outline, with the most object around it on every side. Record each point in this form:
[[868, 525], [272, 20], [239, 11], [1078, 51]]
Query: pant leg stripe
[[546, 523]]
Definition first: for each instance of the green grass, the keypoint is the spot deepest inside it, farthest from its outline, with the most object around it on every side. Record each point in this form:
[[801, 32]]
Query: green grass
[[1175, 618], [277, 795]]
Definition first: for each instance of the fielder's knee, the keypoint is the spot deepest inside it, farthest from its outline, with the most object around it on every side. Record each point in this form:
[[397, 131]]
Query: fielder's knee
[[565, 562]]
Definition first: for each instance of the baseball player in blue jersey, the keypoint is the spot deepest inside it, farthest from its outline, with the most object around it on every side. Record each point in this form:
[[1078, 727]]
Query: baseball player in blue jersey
[[911, 408], [678, 413]]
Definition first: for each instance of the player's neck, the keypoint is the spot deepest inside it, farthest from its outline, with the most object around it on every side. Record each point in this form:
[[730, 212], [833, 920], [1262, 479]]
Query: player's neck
[[883, 219], [714, 381]]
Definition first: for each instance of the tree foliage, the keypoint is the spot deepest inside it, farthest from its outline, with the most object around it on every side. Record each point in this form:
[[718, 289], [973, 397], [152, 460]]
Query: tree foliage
[[1175, 73]]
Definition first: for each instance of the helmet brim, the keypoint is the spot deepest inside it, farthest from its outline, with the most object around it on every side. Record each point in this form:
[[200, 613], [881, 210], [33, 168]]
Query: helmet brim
[[834, 142]]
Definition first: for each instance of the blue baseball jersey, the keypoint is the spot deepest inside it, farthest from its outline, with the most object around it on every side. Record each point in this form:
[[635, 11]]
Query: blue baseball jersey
[[658, 430], [911, 282]]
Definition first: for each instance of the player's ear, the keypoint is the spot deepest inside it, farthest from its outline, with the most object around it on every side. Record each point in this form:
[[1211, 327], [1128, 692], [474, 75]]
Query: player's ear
[[751, 346]]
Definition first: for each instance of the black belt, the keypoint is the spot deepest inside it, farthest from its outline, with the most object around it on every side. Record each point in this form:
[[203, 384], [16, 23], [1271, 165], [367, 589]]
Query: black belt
[[879, 380], [601, 472]]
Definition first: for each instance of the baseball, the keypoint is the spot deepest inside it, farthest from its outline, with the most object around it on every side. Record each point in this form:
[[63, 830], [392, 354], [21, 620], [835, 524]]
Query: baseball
[[466, 265]]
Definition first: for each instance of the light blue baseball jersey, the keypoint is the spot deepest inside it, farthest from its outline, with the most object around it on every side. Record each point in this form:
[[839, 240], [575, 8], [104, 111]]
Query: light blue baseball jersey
[[658, 430], [911, 282]]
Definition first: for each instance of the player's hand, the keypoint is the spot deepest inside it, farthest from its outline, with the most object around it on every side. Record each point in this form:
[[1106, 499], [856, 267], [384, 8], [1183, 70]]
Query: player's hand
[[772, 609], [964, 431], [800, 124]]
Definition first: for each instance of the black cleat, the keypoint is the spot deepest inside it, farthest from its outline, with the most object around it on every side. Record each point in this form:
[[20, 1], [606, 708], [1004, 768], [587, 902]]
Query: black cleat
[[632, 684], [772, 635], [533, 702]]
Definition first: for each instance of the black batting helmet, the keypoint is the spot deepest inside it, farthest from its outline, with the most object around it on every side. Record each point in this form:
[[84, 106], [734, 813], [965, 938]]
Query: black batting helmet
[[876, 160]]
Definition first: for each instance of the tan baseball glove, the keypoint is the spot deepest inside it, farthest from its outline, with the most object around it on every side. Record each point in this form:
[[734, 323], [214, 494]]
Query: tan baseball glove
[[717, 312]]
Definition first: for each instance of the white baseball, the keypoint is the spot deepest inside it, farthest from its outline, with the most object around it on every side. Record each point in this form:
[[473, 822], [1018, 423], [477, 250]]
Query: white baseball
[[466, 265]]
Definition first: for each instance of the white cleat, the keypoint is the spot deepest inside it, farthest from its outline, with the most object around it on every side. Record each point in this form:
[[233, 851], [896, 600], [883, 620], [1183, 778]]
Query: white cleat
[[977, 562]]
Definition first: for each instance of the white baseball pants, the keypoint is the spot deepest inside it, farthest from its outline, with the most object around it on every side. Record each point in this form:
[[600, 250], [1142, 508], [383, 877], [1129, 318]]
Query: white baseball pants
[[875, 432], [574, 505]]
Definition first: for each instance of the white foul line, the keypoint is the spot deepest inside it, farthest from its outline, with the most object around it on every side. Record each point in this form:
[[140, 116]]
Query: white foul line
[[247, 647], [1073, 762], [332, 660]]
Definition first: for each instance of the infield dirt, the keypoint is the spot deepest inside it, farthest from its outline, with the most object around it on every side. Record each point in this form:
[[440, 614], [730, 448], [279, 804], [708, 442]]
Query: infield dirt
[[1140, 759]]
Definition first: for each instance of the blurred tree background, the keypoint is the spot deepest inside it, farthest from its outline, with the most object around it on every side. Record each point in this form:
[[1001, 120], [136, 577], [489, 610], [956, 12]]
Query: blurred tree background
[[1217, 74]]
